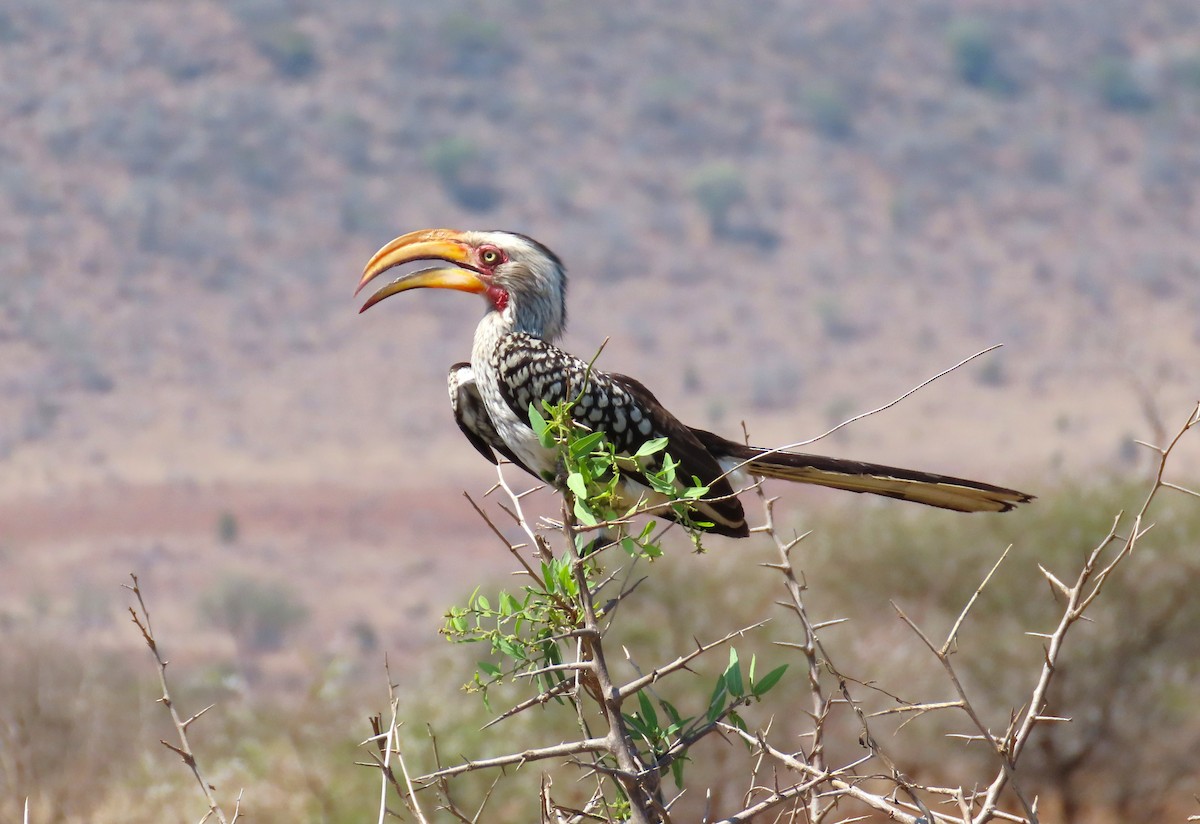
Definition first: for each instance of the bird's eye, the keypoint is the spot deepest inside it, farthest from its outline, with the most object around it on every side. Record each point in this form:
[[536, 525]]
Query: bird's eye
[[491, 256]]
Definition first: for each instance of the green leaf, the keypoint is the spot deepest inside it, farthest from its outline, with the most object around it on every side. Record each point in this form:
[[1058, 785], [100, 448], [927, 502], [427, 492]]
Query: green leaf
[[647, 531], [668, 468], [677, 722], [636, 724], [769, 680], [577, 485], [661, 485], [490, 669], [586, 444], [717, 702], [733, 675], [598, 464], [677, 772], [508, 648], [650, 447], [508, 604], [647, 709], [566, 581], [583, 514], [483, 604], [541, 427]]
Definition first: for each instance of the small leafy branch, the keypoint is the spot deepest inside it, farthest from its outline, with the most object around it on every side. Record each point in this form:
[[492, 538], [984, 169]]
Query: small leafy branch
[[592, 472], [553, 631]]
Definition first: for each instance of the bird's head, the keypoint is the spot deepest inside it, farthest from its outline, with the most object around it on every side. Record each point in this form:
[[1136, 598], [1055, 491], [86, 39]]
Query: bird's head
[[522, 280]]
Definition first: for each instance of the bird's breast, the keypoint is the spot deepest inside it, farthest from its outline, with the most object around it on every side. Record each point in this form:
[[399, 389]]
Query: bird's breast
[[523, 386]]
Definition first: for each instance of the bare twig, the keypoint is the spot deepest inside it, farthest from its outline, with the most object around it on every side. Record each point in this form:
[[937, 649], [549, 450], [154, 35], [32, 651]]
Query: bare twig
[[1008, 764], [184, 748], [386, 774], [515, 549], [809, 645], [443, 786], [773, 800], [393, 735], [862, 415], [538, 541], [952, 637], [818, 660], [917, 708], [840, 786], [527, 756], [638, 684], [562, 687]]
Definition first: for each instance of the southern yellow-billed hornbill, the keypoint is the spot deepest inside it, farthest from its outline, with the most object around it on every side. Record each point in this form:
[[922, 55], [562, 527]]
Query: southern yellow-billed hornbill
[[514, 363]]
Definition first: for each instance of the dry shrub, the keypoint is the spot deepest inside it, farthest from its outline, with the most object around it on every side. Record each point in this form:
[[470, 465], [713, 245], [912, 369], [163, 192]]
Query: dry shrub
[[69, 718]]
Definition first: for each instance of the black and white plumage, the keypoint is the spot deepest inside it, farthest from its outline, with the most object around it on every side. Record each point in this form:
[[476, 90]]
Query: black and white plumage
[[514, 363]]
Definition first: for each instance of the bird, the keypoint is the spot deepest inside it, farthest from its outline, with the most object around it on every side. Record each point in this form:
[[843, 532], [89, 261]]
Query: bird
[[515, 364]]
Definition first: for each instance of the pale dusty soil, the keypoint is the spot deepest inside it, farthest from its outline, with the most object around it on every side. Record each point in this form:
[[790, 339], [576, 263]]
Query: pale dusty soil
[[393, 559]]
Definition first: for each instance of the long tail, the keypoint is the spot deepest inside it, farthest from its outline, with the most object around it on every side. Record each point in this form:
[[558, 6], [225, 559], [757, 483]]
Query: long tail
[[927, 488]]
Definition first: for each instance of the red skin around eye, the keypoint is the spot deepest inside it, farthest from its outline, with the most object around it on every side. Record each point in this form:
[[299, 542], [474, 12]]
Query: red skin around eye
[[496, 294]]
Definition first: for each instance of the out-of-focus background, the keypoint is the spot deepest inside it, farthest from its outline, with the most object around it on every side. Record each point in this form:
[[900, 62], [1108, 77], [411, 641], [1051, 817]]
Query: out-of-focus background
[[777, 213]]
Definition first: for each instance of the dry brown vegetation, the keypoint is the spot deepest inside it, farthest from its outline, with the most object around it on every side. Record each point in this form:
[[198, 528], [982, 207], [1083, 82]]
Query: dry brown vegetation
[[783, 212]]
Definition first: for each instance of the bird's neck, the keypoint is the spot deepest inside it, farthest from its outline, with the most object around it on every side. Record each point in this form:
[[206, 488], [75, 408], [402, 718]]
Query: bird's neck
[[492, 328], [536, 318]]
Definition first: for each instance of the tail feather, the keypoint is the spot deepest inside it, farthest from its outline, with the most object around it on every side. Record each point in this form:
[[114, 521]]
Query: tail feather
[[927, 488]]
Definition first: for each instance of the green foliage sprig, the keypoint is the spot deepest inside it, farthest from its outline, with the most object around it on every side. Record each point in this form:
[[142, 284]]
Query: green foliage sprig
[[542, 633]]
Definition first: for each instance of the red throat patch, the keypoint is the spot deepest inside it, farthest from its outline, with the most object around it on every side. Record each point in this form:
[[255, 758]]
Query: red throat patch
[[498, 297]]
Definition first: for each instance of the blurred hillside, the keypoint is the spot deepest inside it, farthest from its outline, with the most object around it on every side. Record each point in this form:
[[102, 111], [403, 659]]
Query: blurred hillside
[[787, 212]]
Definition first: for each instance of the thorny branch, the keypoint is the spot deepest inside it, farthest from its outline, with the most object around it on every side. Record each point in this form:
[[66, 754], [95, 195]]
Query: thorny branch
[[184, 748], [639, 684], [517, 758], [808, 645], [1011, 743], [1078, 599]]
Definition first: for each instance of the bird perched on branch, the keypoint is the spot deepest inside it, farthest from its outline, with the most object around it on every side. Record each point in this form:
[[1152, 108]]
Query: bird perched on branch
[[515, 364]]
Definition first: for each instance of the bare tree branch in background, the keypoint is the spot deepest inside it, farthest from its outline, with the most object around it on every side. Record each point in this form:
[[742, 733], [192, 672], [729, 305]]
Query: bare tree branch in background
[[184, 748]]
